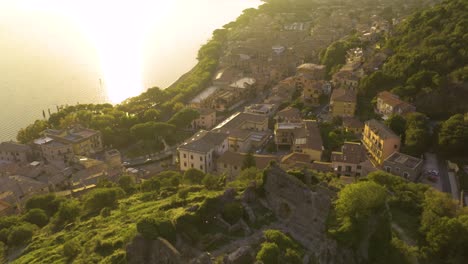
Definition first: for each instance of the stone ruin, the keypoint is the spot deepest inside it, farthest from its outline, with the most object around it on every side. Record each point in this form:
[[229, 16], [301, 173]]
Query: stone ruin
[[303, 213]]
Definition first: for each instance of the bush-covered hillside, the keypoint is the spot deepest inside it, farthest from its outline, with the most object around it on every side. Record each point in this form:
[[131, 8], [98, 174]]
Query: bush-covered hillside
[[428, 62]]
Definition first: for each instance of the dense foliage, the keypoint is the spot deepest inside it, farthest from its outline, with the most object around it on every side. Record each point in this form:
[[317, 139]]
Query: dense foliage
[[428, 61]]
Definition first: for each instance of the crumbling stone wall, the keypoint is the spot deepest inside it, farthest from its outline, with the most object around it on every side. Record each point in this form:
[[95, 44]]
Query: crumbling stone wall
[[303, 213]]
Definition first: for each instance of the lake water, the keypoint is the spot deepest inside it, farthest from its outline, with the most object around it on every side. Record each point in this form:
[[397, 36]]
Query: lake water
[[51, 54]]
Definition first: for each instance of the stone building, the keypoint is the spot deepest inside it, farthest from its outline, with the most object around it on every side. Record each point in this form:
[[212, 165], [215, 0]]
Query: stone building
[[403, 165], [201, 150]]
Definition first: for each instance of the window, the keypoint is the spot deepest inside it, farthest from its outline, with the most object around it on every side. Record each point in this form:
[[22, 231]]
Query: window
[[191, 165], [339, 168], [191, 157], [185, 155], [358, 167], [201, 158], [406, 175], [235, 167], [201, 167], [396, 146], [185, 164], [388, 169]]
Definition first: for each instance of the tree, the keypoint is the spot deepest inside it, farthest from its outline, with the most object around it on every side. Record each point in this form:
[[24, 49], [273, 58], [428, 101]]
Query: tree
[[151, 115], [249, 161], [127, 183], [20, 235], [417, 133], [31, 132], [97, 199], [359, 200], [152, 228], [68, 212], [36, 216], [150, 185], [47, 202], [436, 205], [193, 176], [453, 135], [184, 118], [210, 181], [269, 253], [398, 124]]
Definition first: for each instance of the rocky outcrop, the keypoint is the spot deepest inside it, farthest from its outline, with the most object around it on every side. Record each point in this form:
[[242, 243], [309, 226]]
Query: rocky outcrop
[[145, 251], [303, 213], [242, 255]]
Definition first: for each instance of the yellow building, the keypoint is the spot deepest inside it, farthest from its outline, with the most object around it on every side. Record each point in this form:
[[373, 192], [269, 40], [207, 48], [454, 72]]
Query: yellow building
[[343, 102], [379, 141]]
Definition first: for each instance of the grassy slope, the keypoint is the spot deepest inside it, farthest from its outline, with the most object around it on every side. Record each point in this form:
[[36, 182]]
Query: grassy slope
[[116, 230]]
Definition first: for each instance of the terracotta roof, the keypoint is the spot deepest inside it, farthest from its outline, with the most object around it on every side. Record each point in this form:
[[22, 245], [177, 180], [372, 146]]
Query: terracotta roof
[[352, 122], [237, 159], [343, 95], [351, 152], [289, 113], [389, 98]]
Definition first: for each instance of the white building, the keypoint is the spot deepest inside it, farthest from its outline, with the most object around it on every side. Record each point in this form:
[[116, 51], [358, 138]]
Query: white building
[[201, 150]]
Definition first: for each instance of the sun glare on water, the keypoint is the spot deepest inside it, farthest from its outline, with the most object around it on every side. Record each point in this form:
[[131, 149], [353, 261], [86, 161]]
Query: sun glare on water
[[117, 29]]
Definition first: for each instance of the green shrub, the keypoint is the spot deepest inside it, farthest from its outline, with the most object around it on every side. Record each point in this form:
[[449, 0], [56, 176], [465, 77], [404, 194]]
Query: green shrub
[[232, 212], [68, 212], [193, 176], [20, 235], [210, 181], [283, 241], [71, 249], [269, 253], [152, 228], [9, 221], [292, 256], [127, 183], [36, 216], [150, 185], [100, 198], [47, 202]]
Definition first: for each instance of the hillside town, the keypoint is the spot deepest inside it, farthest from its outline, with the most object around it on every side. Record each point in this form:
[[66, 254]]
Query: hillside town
[[265, 100]]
